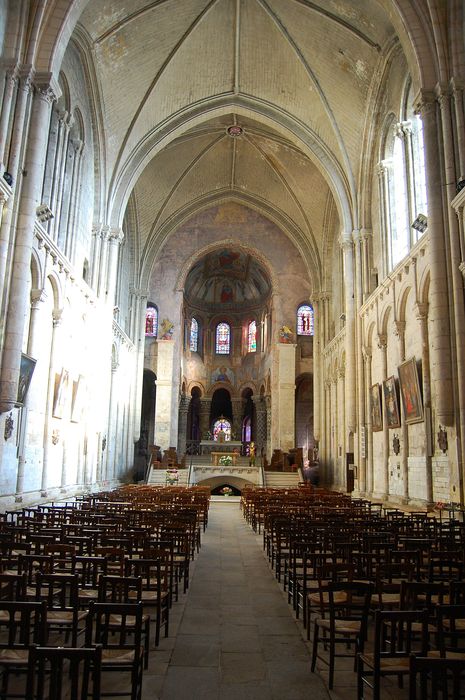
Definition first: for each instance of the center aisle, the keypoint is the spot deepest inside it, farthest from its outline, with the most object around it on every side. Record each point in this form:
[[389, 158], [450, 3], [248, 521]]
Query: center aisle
[[235, 638]]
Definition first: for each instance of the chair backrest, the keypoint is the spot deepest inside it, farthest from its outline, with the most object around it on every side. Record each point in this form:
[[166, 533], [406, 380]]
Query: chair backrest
[[418, 595], [397, 634], [89, 570], [457, 592], [352, 605], [13, 586], [430, 677], [58, 672], [30, 564], [119, 589], [451, 630], [60, 591], [25, 623], [149, 570], [115, 625]]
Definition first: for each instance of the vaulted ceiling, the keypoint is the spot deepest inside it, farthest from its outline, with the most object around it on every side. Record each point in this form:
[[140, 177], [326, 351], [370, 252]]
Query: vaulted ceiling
[[295, 75]]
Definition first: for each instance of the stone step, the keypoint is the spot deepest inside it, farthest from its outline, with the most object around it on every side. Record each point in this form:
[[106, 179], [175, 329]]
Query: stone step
[[157, 477], [281, 480]]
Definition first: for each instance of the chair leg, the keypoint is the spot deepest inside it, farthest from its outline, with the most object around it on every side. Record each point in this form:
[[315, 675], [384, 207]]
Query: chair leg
[[331, 664], [315, 646]]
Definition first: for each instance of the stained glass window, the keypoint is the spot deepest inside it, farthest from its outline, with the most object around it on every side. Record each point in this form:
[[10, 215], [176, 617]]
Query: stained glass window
[[252, 337], [223, 339], [194, 337], [222, 425], [151, 321], [305, 320]]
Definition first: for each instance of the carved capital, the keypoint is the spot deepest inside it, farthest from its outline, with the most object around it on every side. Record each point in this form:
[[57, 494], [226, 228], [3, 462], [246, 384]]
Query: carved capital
[[346, 242], [37, 297], [367, 353], [382, 341], [45, 89], [421, 311], [116, 235], [399, 328]]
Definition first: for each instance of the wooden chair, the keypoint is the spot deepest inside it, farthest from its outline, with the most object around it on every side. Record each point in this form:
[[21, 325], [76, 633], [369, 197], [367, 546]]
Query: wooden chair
[[55, 673], [345, 623], [61, 593], [125, 589], [122, 650], [22, 623], [451, 631], [155, 590], [394, 641], [431, 678], [13, 586], [88, 569]]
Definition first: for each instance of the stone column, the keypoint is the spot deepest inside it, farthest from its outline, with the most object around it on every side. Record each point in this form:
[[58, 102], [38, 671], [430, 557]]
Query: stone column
[[458, 335], [109, 467], [317, 348], [384, 481], [238, 414], [164, 406], [441, 361], [360, 383], [71, 238], [65, 122], [422, 316], [260, 429], [283, 419], [7, 230], [103, 261], [204, 415], [367, 237], [95, 255], [383, 175], [349, 287], [115, 238], [457, 92], [11, 79], [367, 355], [38, 296], [269, 444], [399, 331], [183, 410], [139, 304], [30, 199], [57, 318]]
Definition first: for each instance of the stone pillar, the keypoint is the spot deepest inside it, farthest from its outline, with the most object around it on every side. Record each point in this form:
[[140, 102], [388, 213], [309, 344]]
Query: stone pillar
[[115, 238], [109, 467], [383, 175], [7, 230], [422, 317], [360, 383], [458, 335], [457, 92], [399, 331], [139, 304], [103, 261], [349, 287], [183, 410], [269, 444], [57, 318], [38, 296], [317, 349], [238, 414], [283, 418], [30, 199], [260, 428], [65, 122], [71, 238], [11, 78], [383, 491], [164, 406], [204, 416], [367, 237], [367, 355], [95, 255], [441, 361]]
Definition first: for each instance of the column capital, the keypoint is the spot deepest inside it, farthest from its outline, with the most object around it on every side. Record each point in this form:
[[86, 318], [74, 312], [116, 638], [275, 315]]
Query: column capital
[[425, 102], [345, 241], [399, 328], [57, 317], [366, 233], [421, 311], [38, 296], [383, 167], [462, 269], [46, 87], [382, 341], [116, 235], [366, 352], [403, 129]]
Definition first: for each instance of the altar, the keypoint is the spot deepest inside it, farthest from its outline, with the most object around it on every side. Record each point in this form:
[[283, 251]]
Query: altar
[[216, 456], [227, 447]]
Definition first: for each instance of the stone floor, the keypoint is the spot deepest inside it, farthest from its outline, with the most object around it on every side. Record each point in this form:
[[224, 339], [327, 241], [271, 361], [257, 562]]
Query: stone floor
[[234, 637]]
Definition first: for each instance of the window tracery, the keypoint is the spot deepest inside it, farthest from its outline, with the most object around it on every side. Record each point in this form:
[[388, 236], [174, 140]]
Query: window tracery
[[151, 321], [305, 320], [223, 339]]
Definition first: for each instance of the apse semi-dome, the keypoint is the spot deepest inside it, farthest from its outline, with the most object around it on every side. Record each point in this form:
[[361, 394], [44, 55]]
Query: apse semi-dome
[[225, 278]]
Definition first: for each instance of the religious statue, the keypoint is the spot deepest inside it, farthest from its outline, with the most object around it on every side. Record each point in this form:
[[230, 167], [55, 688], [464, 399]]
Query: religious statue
[[285, 334], [166, 329], [252, 454]]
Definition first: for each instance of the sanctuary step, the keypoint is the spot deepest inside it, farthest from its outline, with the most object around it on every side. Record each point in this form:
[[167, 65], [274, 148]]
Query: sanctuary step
[[281, 480], [158, 477]]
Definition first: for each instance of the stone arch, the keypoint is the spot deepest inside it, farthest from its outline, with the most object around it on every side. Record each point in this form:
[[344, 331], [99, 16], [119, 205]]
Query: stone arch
[[58, 296], [402, 302], [37, 270], [195, 385], [384, 320]]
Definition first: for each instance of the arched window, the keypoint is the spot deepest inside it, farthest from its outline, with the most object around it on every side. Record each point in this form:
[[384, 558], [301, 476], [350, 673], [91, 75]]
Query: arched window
[[194, 336], [252, 337], [224, 426], [403, 185], [151, 321], [223, 339], [305, 320]]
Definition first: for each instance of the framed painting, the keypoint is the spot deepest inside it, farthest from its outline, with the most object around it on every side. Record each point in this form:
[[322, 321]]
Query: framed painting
[[410, 391], [391, 403], [61, 389], [375, 408], [26, 371]]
